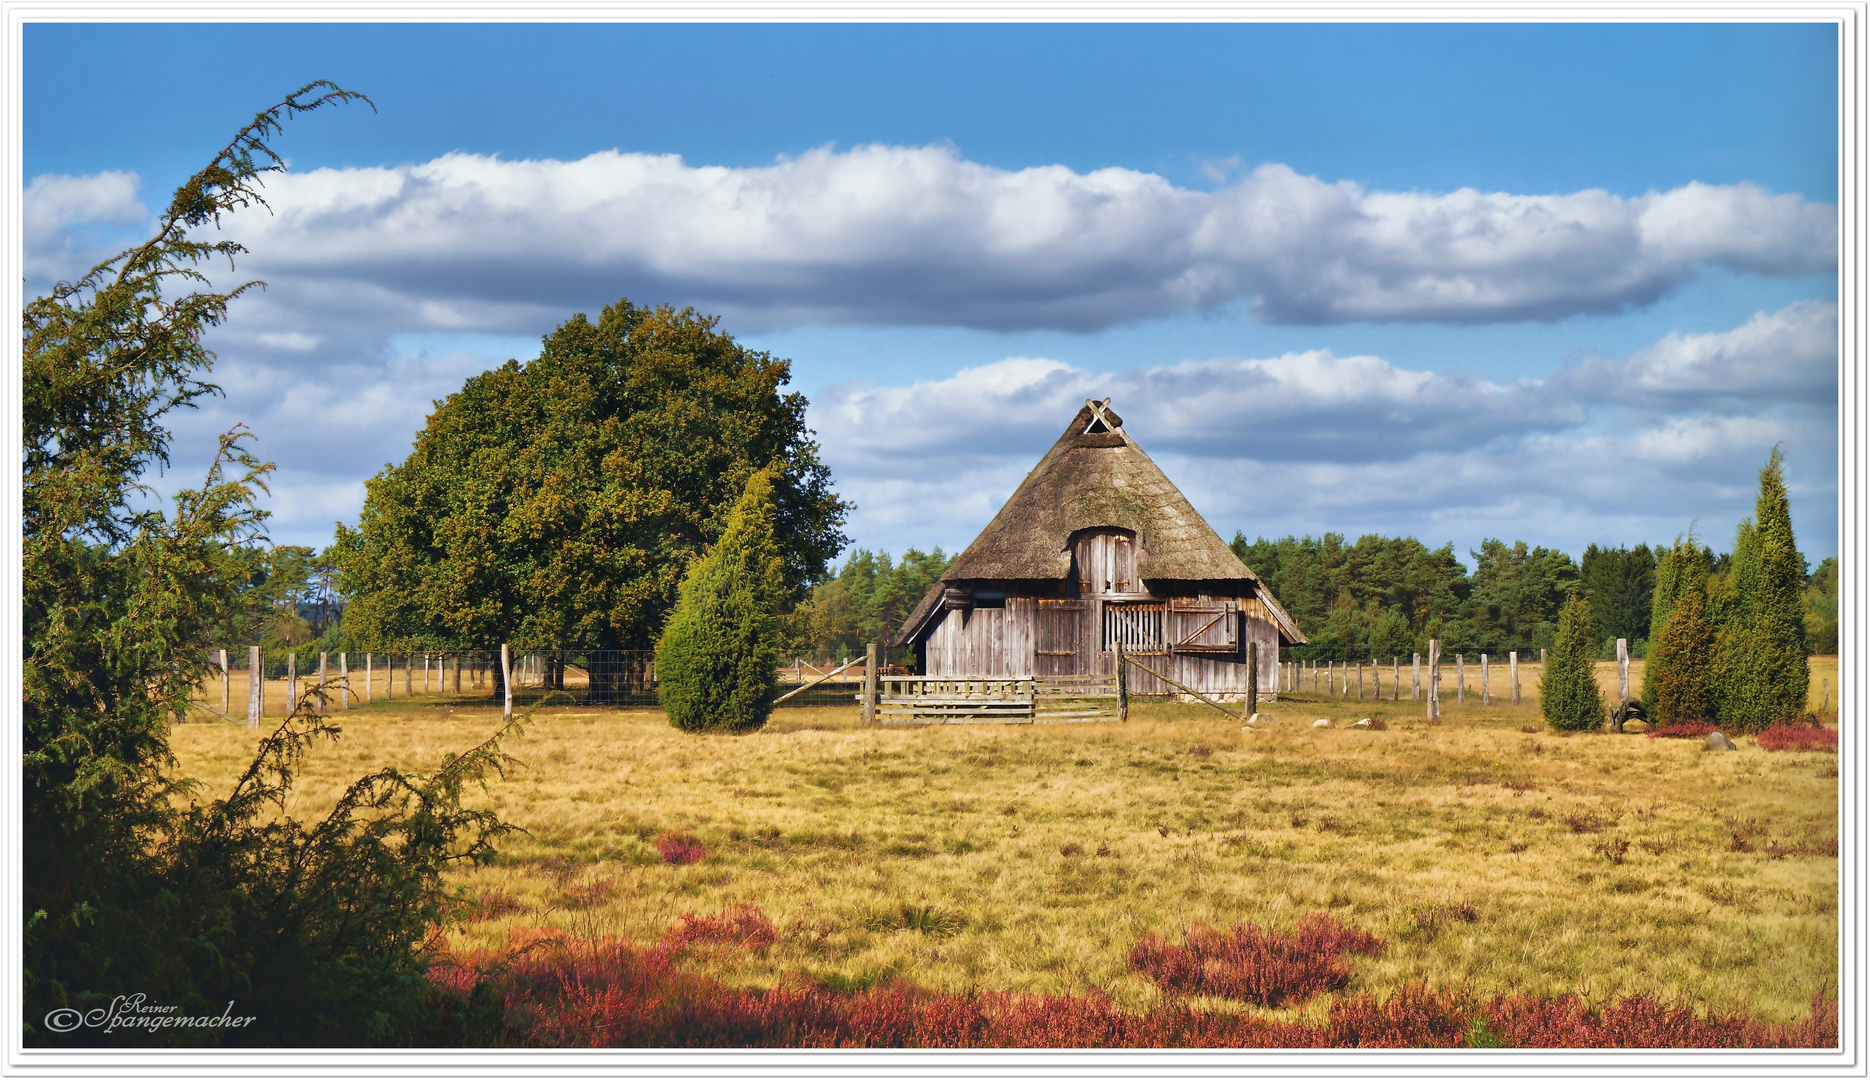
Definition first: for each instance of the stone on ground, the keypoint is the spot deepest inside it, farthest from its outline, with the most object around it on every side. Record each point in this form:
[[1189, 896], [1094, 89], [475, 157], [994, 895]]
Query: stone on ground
[[1321, 722], [1718, 741]]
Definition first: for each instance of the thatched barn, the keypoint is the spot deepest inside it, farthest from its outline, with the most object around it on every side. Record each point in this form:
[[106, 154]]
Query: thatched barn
[[1096, 548]]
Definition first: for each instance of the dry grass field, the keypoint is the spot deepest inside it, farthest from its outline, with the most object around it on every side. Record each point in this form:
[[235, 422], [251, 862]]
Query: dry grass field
[[1489, 852]]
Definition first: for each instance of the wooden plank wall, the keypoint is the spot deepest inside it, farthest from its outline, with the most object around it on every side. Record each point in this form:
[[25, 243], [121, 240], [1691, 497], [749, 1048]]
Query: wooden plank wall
[[1059, 637], [1222, 676], [1044, 637], [988, 642]]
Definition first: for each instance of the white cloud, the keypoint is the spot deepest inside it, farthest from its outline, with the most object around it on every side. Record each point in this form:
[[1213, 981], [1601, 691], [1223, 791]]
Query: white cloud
[[1306, 441], [1310, 442], [53, 201], [1786, 355], [61, 215], [290, 341], [920, 235]]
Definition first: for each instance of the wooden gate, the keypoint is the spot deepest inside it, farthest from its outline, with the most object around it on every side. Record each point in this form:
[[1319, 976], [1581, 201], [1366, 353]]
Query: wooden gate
[[933, 699], [1204, 628]]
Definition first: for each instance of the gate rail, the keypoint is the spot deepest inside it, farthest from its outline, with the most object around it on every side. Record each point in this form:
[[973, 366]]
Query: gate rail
[[952, 699]]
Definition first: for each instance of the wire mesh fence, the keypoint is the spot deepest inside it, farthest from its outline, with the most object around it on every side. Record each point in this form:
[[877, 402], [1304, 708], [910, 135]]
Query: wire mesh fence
[[612, 678], [1492, 677]]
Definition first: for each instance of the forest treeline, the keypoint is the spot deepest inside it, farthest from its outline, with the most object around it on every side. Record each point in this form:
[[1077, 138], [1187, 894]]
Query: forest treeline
[[1387, 596], [1379, 596]]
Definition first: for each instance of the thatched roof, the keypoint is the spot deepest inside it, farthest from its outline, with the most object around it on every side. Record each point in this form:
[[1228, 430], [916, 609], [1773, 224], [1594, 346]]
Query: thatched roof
[[1095, 475], [1088, 480]]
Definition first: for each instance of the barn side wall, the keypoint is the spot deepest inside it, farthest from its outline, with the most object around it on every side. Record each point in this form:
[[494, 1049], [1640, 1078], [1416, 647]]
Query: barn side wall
[[1046, 636], [988, 642]]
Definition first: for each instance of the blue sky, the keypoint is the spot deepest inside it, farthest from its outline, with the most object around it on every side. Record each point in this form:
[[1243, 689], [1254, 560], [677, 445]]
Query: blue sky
[[1560, 283]]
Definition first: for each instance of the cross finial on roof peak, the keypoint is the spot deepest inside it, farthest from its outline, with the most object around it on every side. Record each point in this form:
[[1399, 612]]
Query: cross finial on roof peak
[[1102, 418]]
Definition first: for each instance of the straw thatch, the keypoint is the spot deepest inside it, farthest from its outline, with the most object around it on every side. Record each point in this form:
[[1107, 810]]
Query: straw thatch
[[1095, 476], [1090, 480]]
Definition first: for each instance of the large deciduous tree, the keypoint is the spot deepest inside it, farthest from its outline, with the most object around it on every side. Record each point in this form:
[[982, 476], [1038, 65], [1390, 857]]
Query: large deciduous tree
[[558, 503]]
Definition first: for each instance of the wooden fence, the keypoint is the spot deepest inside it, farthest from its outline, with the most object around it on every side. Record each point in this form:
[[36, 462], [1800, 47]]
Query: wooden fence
[[1424, 674]]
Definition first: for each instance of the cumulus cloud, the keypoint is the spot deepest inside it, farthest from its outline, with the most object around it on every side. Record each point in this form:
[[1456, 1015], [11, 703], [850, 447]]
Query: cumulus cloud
[[1790, 355], [60, 217], [1304, 441], [53, 201], [1307, 406], [1630, 449], [920, 235]]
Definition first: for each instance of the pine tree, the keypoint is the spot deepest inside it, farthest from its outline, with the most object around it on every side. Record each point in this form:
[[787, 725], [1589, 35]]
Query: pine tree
[[1760, 669], [716, 658], [1568, 693]]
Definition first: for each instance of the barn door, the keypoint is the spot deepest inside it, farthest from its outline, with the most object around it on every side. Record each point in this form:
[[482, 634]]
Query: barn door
[[1060, 645], [1103, 561], [1206, 628]]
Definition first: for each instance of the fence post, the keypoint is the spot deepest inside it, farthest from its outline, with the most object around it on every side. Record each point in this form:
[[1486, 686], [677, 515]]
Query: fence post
[[425, 673], [1512, 673], [1460, 676], [409, 673], [1252, 703], [322, 705], [1623, 671], [506, 673], [1396, 687], [292, 681], [256, 688], [1486, 693], [344, 681], [870, 682], [457, 674], [1415, 676], [1434, 680], [227, 682], [1123, 687], [370, 677]]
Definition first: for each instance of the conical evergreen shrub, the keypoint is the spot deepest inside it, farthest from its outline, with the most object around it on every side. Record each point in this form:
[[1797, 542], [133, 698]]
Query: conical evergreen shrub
[[1684, 565], [1568, 692], [716, 659], [1779, 611], [1681, 660], [1761, 673]]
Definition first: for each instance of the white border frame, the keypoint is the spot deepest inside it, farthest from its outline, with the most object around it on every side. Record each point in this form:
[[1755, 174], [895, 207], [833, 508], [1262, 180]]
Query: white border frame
[[1848, 1060]]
